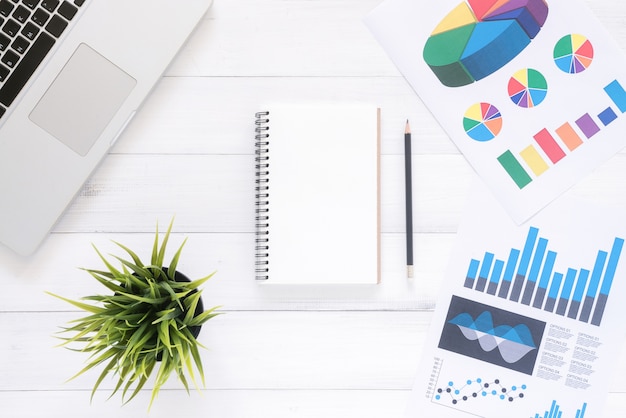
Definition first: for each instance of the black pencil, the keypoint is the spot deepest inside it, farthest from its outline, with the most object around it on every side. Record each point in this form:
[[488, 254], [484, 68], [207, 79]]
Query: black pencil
[[409, 199]]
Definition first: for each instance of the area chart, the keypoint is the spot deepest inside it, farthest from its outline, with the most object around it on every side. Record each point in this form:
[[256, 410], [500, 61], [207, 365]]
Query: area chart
[[478, 37]]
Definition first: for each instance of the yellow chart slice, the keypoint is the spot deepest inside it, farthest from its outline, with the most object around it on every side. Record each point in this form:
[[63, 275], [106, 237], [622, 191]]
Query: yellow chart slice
[[578, 41], [475, 113], [522, 76], [462, 15]]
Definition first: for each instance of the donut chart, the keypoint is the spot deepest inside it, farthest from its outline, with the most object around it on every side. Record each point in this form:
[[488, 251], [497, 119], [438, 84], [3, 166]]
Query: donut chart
[[478, 37], [527, 88], [573, 54], [482, 122]]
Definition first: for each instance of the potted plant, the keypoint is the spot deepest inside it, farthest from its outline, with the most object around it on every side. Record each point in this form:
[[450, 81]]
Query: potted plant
[[148, 320]]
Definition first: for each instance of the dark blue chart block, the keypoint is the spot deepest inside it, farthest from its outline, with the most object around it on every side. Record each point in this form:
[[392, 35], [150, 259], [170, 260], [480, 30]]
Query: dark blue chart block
[[539, 297], [607, 116], [553, 293], [600, 307]]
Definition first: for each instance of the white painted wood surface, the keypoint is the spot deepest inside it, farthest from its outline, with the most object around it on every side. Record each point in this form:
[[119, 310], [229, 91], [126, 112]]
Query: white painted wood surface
[[323, 352]]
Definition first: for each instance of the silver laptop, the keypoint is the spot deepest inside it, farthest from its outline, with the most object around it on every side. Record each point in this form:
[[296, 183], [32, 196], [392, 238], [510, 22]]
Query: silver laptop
[[72, 75]]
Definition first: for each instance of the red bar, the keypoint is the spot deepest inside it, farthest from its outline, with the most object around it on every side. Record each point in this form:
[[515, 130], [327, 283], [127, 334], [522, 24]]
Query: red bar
[[549, 146]]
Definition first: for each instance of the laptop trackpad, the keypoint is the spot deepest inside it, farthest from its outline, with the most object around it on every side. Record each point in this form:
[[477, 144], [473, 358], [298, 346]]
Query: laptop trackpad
[[83, 99]]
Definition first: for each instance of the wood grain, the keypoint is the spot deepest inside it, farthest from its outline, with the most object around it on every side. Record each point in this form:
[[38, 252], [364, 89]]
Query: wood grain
[[276, 352]]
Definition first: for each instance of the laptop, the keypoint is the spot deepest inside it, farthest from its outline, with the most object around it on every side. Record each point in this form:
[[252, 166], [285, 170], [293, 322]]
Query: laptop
[[73, 73]]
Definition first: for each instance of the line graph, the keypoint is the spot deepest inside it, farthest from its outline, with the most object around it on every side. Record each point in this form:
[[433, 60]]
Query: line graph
[[476, 389]]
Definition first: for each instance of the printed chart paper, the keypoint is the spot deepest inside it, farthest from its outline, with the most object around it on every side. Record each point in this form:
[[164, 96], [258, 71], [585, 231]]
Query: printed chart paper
[[532, 92], [530, 319]]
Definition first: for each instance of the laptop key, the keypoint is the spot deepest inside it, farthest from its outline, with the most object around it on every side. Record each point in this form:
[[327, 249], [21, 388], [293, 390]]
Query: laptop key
[[20, 45], [4, 42], [56, 26], [21, 14], [25, 69], [50, 5], [67, 10], [6, 7], [11, 28], [31, 3], [4, 73], [10, 58], [40, 17], [30, 31]]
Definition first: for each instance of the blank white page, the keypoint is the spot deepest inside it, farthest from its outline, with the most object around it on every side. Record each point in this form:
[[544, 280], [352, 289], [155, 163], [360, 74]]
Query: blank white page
[[323, 194]]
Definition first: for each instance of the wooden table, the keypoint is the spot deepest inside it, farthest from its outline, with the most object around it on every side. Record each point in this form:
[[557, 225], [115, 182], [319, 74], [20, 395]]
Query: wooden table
[[275, 352]]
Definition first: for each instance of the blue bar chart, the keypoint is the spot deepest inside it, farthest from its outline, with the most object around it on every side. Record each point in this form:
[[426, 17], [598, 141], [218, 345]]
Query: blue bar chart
[[556, 412], [528, 276]]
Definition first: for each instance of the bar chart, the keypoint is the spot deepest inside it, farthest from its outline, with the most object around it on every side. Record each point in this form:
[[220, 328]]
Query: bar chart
[[529, 276], [556, 412], [548, 149]]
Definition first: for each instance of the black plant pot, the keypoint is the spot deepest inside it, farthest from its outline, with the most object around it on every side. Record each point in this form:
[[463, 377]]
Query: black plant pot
[[195, 331], [180, 277]]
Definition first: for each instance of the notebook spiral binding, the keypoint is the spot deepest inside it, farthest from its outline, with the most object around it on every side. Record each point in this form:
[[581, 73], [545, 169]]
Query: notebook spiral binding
[[262, 195]]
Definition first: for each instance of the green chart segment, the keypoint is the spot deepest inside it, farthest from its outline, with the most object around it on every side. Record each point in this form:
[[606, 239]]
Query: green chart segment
[[479, 37]]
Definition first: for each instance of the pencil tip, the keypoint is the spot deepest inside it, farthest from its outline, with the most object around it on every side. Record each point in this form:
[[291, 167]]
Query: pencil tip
[[407, 128]]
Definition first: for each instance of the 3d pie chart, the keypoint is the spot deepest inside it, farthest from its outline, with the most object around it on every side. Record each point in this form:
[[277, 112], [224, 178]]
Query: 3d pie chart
[[478, 37]]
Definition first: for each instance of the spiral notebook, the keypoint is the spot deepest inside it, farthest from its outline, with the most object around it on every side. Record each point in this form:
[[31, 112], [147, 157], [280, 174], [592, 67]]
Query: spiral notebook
[[317, 194]]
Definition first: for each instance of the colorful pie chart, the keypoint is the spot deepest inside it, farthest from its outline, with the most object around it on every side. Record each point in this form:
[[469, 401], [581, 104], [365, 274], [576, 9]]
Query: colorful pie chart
[[527, 88], [478, 37], [573, 54], [482, 122]]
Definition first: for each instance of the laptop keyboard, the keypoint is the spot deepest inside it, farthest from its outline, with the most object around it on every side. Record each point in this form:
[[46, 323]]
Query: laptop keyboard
[[28, 31]]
